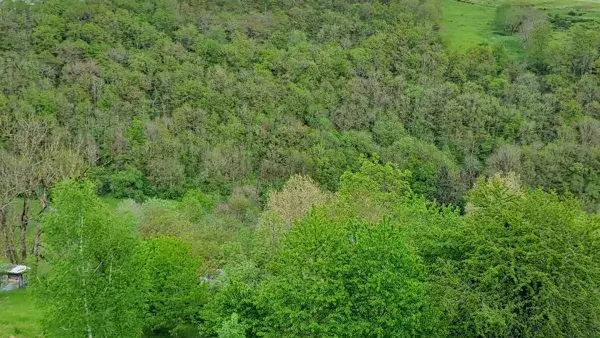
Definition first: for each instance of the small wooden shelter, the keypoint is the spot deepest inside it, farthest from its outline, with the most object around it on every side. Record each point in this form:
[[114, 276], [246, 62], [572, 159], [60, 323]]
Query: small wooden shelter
[[14, 277]]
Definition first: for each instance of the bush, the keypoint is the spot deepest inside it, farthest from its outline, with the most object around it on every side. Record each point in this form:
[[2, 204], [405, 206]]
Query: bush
[[232, 328], [128, 183], [175, 296], [197, 204]]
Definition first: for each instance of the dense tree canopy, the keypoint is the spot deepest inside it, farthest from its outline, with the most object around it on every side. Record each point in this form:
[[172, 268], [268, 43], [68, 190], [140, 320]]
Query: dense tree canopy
[[527, 266], [353, 279], [299, 168], [162, 98]]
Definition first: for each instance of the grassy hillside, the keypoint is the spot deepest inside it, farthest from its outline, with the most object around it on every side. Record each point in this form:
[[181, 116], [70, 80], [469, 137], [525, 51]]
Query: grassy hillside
[[544, 4], [468, 23]]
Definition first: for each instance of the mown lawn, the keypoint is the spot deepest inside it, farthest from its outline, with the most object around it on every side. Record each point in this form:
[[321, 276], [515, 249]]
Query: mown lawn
[[19, 315]]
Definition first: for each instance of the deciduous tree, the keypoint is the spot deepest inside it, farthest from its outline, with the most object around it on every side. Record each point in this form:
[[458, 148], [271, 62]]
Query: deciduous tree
[[95, 286]]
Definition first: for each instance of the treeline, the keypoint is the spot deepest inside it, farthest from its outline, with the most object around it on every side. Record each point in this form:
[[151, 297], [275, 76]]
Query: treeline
[[298, 168], [371, 260], [154, 98]]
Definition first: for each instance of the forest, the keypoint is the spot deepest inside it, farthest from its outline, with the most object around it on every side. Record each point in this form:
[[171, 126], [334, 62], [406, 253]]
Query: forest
[[299, 168]]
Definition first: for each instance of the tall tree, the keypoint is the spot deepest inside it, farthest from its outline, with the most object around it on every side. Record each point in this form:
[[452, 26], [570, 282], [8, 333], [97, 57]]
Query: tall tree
[[175, 295], [299, 195], [526, 264], [96, 281], [57, 163], [350, 279]]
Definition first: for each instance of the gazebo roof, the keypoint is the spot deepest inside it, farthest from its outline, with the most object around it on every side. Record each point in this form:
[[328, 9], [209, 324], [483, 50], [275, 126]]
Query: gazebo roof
[[18, 269]]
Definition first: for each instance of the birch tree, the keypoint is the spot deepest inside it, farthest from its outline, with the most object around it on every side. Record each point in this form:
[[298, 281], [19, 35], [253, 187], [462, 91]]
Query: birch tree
[[94, 286]]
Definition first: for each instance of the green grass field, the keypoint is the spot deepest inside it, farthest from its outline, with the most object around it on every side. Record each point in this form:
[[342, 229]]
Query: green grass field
[[467, 24], [562, 4], [19, 315], [591, 5]]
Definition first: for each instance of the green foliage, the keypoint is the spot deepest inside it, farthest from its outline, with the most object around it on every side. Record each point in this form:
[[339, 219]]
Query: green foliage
[[243, 202], [216, 96], [233, 291], [196, 111], [94, 286], [351, 279], [527, 266], [128, 183], [175, 295], [232, 328], [197, 204], [377, 178], [297, 198], [186, 220], [434, 173], [5, 267], [517, 263], [371, 192]]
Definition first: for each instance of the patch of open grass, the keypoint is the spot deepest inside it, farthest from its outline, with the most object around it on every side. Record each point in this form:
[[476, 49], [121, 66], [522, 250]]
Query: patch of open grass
[[564, 4], [468, 24], [579, 9], [544, 4], [19, 315]]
